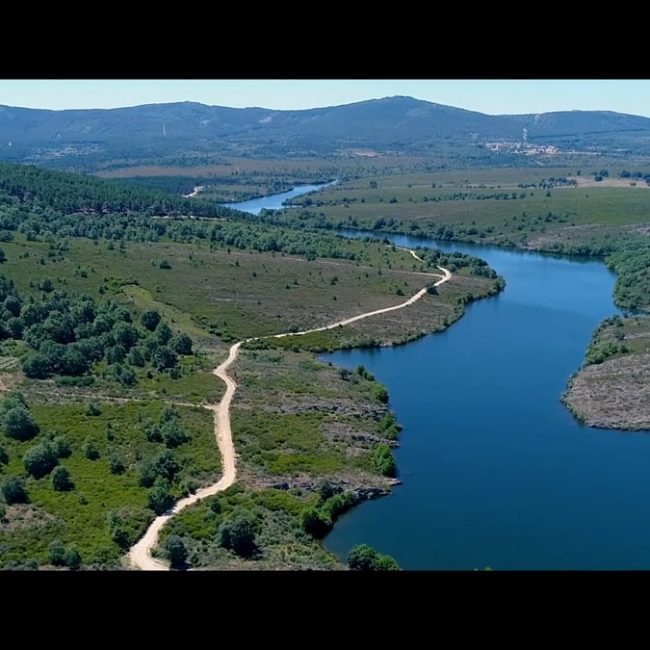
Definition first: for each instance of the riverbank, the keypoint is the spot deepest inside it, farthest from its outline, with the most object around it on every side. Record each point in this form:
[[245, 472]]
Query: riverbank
[[347, 482]]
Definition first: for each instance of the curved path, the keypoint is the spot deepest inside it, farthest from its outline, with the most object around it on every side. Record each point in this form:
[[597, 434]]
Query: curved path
[[139, 556]]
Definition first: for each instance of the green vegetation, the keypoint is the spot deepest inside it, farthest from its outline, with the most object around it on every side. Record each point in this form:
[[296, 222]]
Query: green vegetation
[[364, 558], [116, 318], [110, 510]]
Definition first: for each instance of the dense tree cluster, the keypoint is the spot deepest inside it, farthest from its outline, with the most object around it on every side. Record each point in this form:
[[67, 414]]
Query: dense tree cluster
[[70, 333]]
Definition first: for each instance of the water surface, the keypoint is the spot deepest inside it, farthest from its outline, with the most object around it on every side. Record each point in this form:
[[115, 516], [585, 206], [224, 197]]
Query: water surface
[[496, 472], [275, 201]]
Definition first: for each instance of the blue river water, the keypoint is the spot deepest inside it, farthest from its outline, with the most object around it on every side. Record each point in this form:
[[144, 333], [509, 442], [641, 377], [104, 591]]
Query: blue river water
[[496, 471], [276, 201]]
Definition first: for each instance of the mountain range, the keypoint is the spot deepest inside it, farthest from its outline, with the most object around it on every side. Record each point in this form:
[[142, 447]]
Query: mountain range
[[395, 124]]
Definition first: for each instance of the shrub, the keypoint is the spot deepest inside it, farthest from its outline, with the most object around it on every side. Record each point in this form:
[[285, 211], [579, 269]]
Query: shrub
[[382, 460], [14, 490], [160, 498], [72, 558], [89, 449], [175, 551], [115, 463], [313, 523], [182, 344], [93, 410], [364, 558], [56, 553], [238, 534], [19, 424], [61, 480], [40, 459]]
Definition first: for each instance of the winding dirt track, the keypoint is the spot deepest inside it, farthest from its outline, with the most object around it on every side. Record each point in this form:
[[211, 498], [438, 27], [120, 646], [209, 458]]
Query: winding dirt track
[[139, 556]]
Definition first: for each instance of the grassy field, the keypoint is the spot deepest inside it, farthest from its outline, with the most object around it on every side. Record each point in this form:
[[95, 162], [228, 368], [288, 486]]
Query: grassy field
[[229, 292], [526, 207]]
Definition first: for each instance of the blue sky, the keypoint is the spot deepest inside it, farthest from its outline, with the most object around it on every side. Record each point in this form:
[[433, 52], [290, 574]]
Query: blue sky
[[488, 96]]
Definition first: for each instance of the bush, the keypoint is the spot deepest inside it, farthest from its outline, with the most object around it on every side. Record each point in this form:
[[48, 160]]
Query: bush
[[61, 480], [61, 447], [14, 490], [380, 393], [56, 553], [4, 456], [40, 459], [72, 558], [164, 264], [238, 534], [163, 333], [93, 410], [115, 463], [173, 434], [176, 552], [89, 449], [19, 424], [383, 461]]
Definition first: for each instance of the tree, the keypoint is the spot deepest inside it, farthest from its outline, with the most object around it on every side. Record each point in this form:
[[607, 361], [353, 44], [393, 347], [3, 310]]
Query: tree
[[125, 335], [19, 424], [182, 344], [164, 357], [150, 319], [61, 480], [163, 333], [238, 534], [56, 552], [74, 363], [14, 490], [136, 357], [160, 498], [37, 366], [4, 456], [173, 434], [3, 256], [176, 551], [12, 305], [364, 558], [313, 524], [40, 459]]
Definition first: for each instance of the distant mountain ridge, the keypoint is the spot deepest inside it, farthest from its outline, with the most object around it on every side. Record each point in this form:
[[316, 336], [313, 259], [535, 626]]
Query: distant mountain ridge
[[401, 124]]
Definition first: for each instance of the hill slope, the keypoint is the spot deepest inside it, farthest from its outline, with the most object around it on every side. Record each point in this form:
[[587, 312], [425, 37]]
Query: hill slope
[[400, 124]]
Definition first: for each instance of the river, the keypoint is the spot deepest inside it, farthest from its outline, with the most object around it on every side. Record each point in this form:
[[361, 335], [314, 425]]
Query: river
[[496, 471], [276, 201]]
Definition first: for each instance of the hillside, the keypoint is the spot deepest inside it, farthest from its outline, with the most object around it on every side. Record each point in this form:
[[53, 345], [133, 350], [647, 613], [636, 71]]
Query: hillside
[[189, 131]]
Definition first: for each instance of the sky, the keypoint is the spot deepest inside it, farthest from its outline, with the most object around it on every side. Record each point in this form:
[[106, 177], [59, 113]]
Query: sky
[[488, 96]]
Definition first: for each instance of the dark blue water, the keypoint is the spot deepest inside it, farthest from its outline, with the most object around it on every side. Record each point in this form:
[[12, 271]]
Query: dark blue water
[[496, 471], [275, 201]]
